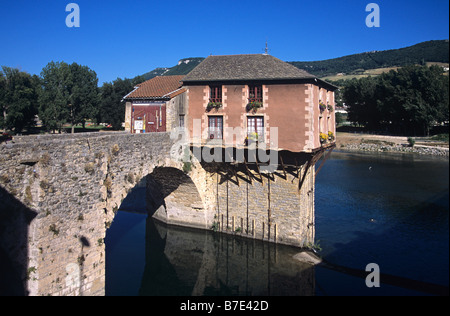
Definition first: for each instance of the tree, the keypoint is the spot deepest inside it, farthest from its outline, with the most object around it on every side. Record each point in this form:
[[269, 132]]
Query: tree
[[53, 99], [18, 99], [69, 94], [112, 109], [408, 101], [414, 98], [359, 95], [83, 94], [340, 118]]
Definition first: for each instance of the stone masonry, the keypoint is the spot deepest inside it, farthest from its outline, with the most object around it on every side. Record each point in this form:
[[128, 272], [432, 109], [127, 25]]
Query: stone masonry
[[59, 194]]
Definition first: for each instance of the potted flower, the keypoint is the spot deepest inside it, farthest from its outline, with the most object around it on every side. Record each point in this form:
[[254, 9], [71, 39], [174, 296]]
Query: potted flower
[[331, 136], [323, 138], [254, 106], [330, 108], [322, 106], [251, 139], [213, 105]]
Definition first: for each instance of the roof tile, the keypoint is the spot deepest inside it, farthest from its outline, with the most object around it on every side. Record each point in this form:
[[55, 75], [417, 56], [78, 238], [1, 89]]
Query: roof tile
[[157, 88], [245, 67]]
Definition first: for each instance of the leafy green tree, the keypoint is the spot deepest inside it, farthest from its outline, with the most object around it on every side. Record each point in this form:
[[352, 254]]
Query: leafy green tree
[[414, 98], [53, 98], [18, 99], [340, 118], [359, 95], [408, 101], [69, 94], [83, 94], [112, 108]]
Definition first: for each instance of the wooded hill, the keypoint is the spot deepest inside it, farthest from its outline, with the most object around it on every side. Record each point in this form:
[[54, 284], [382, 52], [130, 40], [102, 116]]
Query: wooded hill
[[430, 51], [184, 66]]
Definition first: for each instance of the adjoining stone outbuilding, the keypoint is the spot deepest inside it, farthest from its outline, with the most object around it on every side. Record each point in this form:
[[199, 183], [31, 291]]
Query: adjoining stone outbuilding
[[156, 105]]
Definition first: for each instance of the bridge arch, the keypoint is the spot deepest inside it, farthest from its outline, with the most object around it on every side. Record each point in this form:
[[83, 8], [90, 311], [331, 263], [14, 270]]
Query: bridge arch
[[174, 198], [171, 195], [74, 184]]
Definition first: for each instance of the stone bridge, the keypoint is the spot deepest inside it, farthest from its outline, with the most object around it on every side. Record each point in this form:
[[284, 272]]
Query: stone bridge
[[60, 193]]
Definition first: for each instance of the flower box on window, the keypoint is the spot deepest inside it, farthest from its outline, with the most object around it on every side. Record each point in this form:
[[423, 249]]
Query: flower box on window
[[323, 138], [254, 106], [330, 108], [331, 136], [252, 138], [213, 105], [322, 106]]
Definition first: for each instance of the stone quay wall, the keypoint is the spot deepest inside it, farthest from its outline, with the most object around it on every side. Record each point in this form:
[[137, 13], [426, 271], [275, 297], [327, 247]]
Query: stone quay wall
[[271, 209]]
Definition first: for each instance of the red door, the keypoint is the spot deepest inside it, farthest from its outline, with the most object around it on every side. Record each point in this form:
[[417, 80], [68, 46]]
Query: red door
[[149, 118]]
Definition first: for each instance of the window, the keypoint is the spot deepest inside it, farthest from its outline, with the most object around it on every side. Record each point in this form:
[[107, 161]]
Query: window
[[255, 94], [215, 127], [255, 124], [215, 94]]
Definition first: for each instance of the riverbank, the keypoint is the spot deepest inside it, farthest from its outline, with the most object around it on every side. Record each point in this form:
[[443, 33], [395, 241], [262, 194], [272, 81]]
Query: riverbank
[[382, 143]]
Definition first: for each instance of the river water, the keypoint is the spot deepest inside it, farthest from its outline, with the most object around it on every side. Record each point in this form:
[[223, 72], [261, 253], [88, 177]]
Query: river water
[[387, 209]]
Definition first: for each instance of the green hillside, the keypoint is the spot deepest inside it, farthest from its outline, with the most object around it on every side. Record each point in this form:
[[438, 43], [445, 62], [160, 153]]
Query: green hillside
[[431, 51], [154, 73], [425, 52], [184, 66]]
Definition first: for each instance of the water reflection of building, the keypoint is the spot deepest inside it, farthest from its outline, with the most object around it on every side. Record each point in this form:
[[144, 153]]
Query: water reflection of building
[[181, 261]]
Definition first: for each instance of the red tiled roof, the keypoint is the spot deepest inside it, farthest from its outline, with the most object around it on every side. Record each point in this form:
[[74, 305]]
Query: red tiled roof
[[157, 88]]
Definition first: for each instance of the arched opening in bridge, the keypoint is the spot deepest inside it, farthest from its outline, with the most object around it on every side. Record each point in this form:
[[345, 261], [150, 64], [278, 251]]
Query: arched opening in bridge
[[165, 193], [171, 195]]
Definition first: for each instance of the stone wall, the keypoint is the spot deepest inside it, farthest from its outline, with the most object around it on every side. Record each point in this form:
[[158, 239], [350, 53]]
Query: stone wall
[[175, 107], [272, 209]]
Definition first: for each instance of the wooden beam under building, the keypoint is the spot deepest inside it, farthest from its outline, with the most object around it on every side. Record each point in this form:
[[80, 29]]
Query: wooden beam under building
[[325, 159], [235, 174], [311, 162], [282, 166], [250, 176], [259, 172]]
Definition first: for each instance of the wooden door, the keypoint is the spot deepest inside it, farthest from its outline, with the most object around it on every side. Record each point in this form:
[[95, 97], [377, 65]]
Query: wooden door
[[149, 118]]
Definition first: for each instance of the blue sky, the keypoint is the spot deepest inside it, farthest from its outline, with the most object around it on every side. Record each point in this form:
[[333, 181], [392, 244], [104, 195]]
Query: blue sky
[[127, 38]]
